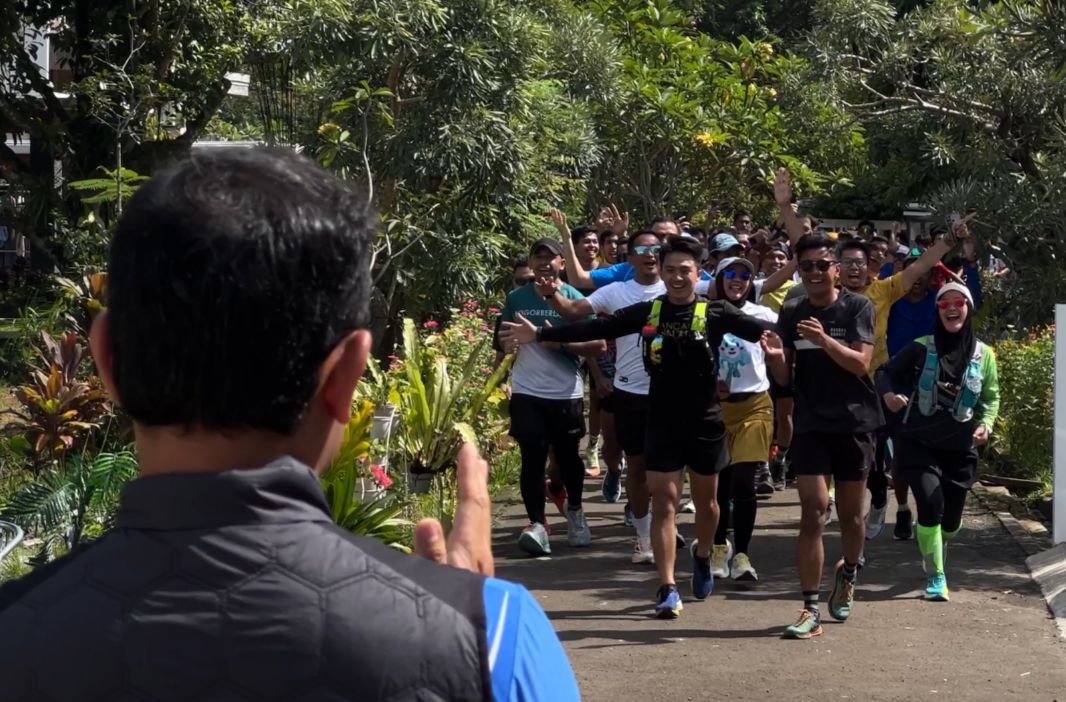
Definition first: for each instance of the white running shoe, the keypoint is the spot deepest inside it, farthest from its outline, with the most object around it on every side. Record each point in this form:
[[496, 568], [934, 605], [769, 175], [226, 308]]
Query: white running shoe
[[720, 555], [642, 552], [829, 510], [577, 528], [534, 540], [592, 457], [688, 507], [875, 521], [742, 568]]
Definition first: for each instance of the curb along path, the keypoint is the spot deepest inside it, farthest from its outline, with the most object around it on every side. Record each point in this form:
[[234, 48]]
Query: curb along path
[[995, 640]]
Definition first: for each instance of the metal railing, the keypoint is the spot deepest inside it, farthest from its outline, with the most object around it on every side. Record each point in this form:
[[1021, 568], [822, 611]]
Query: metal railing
[[10, 537]]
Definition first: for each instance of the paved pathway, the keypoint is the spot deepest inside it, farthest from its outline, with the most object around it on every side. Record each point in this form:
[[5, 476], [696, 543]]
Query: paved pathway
[[993, 641]]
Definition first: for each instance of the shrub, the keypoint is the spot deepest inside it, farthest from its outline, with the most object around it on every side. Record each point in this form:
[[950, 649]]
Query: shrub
[[1026, 412]]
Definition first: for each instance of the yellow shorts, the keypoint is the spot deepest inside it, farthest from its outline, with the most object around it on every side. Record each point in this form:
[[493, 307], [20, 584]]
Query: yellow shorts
[[750, 425]]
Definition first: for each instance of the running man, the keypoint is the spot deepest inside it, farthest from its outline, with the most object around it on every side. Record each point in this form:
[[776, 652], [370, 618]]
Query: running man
[[824, 348], [631, 382], [684, 428], [547, 405]]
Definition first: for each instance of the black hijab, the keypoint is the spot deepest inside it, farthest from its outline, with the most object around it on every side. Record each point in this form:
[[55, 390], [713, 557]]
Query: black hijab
[[955, 350]]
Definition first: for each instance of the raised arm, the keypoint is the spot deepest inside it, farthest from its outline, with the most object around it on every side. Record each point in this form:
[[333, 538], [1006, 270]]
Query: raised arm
[[931, 256], [575, 273], [550, 289], [776, 280], [783, 197], [723, 318]]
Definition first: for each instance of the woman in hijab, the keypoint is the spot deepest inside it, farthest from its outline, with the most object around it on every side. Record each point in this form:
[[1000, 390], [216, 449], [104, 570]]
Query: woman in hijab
[[748, 414], [947, 388]]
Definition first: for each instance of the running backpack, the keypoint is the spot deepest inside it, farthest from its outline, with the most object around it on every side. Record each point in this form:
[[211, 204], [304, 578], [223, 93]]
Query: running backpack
[[653, 340], [969, 389]]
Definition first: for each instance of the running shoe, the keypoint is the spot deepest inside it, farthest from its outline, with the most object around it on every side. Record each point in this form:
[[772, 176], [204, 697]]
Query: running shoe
[[559, 498], [742, 569], [904, 530], [627, 515], [642, 552], [842, 598], [720, 555], [592, 458], [764, 484], [777, 470], [936, 588], [577, 528], [679, 540], [688, 507], [668, 603], [806, 627], [612, 487], [875, 521], [702, 578], [829, 510], [534, 540]]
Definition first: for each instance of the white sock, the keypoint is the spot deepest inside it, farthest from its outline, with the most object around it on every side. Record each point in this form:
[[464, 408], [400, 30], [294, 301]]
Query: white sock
[[643, 525]]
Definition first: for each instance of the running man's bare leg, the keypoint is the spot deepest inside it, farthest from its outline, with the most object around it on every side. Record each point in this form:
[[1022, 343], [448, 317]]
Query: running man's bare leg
[[665, 488]]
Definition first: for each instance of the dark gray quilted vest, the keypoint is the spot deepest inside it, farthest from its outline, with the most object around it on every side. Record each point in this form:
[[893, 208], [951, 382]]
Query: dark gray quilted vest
[[237, 586]]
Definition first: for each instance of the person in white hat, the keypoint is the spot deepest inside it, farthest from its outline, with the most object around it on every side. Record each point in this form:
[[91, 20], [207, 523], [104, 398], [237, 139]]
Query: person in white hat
[[947, 387]]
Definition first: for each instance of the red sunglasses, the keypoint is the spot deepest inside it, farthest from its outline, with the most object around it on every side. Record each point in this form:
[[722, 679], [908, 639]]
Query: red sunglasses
[[944, 304]]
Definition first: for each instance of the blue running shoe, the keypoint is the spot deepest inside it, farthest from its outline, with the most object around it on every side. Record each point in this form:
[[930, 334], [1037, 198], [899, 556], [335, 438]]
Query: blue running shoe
[[702, 578], [628, 515], [936, 588], [612, 487], [668, 605]]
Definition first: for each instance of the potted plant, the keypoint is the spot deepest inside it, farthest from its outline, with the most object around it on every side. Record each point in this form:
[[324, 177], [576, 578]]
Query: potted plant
[[437, 409]]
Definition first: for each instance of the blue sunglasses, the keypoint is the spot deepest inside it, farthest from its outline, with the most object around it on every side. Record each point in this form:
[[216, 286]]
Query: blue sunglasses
[[743, 275], [653, 249]]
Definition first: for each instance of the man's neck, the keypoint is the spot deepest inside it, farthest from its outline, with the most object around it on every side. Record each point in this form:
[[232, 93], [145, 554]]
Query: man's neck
[[681, 301], [646, 278], [824, 300], [162, 450], [587, 262]]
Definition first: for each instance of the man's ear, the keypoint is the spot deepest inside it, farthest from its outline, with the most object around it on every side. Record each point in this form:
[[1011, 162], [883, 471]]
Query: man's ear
[[341, 373], [100, 346]]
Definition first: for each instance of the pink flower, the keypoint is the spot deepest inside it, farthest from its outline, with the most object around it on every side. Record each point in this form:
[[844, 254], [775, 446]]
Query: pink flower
[[431, 325], [380, 476], [494, 310], [470, 305]]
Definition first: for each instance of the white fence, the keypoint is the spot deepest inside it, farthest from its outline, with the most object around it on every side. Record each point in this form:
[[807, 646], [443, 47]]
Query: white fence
[[1059, 511]]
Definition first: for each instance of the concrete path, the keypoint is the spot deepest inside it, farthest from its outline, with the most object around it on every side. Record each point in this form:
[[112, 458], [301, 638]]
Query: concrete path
[[995, 640]]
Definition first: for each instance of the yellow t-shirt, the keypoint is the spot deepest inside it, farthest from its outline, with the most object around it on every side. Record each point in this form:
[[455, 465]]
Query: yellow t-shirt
[[775, 299], [883, 294]]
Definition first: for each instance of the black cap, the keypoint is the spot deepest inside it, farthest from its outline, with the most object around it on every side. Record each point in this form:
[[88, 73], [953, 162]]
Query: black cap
[[552, 245]]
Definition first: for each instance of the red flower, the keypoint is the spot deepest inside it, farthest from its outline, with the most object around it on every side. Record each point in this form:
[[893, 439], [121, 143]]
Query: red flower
[[494, 310], [431, 325], [380, 476]]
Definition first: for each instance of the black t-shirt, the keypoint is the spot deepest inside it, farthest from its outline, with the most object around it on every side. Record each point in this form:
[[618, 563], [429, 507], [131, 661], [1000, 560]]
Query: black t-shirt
[[684, 384], [829, 398]]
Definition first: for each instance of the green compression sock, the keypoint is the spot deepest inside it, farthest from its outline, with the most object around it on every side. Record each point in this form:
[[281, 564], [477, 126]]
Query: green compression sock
[[931, 546]]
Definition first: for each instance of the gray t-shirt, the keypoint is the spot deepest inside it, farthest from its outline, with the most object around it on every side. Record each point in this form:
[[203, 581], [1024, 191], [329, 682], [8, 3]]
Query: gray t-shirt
[[549, 374]]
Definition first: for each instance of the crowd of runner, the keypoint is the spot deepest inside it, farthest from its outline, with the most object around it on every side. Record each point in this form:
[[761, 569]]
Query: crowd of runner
[[754, 360]]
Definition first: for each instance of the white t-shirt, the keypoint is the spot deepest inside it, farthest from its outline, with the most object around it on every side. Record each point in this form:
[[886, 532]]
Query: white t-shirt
[[742, 364], [629, 373]]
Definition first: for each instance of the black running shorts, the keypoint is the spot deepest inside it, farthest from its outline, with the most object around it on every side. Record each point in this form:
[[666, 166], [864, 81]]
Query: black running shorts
[[630, 421], [844, 456], [554, 421], [700, 445]]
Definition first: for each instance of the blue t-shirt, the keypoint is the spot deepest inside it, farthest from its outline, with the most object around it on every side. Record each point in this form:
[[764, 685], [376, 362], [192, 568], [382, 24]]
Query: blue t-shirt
[[908, 321], [526, 660]]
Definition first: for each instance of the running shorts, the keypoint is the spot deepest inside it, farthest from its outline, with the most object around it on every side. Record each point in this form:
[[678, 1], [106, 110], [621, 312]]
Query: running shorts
[[700, 445], [958, 467], [844, 456], [630, 421], [536, 418]]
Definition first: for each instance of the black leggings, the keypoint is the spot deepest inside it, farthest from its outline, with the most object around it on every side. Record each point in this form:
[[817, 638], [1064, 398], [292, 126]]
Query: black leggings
[[939, 501], [737, 482], [534, 458]]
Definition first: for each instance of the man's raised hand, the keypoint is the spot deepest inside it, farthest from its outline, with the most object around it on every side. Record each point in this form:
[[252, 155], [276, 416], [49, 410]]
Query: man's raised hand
[[782, 188]]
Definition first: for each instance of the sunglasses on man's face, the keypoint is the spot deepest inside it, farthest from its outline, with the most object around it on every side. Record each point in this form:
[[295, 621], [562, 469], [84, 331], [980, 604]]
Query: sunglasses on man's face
[[519, 282], [743, 275], [945, 304], [653, 249], [822, 265]]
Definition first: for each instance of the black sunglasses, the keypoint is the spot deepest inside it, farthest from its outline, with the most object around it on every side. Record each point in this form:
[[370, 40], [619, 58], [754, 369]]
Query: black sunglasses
[[523, 281], [822, 265]]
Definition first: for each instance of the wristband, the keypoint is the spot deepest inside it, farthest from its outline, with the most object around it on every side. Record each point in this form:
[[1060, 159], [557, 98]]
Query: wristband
[[539, 329]]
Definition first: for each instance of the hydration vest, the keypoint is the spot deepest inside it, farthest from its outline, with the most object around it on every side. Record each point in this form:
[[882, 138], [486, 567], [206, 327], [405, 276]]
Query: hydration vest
[[653, 340], [969, 389]]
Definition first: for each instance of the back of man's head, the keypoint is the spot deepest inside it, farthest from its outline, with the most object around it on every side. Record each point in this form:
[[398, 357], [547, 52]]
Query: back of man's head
[[233, 275]]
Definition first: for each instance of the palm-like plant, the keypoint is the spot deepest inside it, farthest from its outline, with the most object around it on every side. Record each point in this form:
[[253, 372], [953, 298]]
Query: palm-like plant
[[378, 518], [438, 410], [71, 501]]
